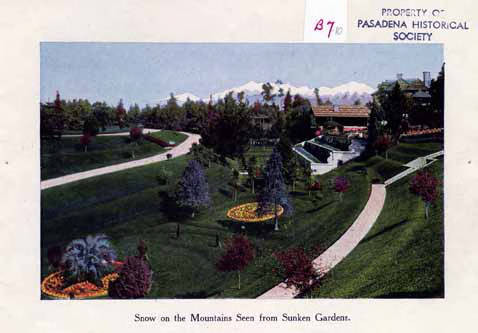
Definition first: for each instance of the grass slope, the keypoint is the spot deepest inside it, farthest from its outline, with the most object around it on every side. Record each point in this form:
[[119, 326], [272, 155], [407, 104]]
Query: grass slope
[[402, 256], [129, 206], [59, 158]]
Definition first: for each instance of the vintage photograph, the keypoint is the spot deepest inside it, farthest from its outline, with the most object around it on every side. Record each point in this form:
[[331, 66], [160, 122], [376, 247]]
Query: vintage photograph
[[241, 170]]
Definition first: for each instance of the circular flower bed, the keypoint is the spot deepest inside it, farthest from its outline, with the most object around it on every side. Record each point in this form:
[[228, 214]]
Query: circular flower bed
[[248, 213], [53, 286]]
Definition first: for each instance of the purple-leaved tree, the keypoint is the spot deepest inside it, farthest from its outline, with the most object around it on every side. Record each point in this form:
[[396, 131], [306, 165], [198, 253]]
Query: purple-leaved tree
[[274, 191], [341, 185], [425, 185], [193, 189]]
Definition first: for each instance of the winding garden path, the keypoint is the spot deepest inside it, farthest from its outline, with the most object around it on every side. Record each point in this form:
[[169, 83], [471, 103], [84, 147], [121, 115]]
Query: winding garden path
[[145, 131], [182, 149], [343, 246]]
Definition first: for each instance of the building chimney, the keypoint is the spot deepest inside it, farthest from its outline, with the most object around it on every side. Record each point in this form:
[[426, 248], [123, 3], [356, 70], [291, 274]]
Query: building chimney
[[400, 76], [427, 80]]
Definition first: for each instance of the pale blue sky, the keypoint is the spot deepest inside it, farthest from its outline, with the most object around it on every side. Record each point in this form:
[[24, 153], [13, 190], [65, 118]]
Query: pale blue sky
[[146, 72]]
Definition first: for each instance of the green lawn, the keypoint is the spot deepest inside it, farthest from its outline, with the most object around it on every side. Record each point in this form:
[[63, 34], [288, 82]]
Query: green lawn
[[405, 152], [261, 154], [401, 257], [67, 156], [129, 205]]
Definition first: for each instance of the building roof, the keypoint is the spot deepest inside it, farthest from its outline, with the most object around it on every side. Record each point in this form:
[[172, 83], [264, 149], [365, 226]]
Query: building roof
[[421, 94], [352, 111], [405, 84]]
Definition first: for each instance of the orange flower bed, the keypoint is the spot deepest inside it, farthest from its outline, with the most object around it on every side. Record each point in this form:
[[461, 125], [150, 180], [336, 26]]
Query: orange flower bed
[[248, 213], [422, 132], [52, 286]]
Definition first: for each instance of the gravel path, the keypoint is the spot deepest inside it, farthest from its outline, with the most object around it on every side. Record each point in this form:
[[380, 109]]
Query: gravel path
[[179, 150], [343, 246]]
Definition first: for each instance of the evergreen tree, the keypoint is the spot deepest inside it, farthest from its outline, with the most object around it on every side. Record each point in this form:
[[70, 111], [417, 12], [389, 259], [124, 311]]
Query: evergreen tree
[[372, 132], [274, 192], [437, 92], [317, 96], [287, 101], [394, 106], [120, 114], [193, 189]]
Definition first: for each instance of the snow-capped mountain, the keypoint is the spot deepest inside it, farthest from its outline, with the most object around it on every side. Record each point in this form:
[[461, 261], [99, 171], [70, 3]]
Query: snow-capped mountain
[[181, 98], [346, 93]]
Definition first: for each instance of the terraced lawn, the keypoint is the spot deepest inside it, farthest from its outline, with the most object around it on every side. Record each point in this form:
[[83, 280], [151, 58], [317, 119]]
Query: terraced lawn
[[129, 205], [405, 152], [401, 257], [67, 156]]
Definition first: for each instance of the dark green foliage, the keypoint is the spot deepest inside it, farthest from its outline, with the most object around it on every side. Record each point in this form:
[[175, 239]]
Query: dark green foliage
[[91, 126], [228, 128], [437, 92], [394, 106], [300, 121]]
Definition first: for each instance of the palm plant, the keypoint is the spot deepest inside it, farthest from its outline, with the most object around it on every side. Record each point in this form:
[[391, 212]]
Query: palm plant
[[88, 259]]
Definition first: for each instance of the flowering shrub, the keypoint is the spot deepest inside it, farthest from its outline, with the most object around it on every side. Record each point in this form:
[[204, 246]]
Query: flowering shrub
[[296, 268], [383, 143], [248, 213], [425, 185], [315, 186], [157, 141], [239, 252], [341, 185], [423, 132], [85, 140], [135, 279], [135, 133], [88, 259]]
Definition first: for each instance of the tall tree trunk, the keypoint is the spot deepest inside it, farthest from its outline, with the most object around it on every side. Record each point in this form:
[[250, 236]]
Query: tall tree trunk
[[193, 214], [427, 209], [239, 278], [276, 220], [252, 185]]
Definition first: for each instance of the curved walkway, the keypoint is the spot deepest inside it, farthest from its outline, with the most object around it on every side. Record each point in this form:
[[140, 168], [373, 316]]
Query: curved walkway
[[145, 131], [179, 150], [343, 246]]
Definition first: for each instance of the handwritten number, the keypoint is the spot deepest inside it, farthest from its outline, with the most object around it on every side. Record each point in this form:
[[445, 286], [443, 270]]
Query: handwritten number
[[331, 23], [320, 26]]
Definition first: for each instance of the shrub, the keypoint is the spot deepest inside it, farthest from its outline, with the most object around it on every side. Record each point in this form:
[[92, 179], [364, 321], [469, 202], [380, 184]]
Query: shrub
[[88, 259], [85, 140], [54, 254], [296, 268], [341, 185], [135, 133], [135, 277], [169, 156], [382, 143]]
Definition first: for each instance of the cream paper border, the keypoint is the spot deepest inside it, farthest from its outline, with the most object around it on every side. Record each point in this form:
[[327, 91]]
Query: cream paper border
[[23, 24]]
